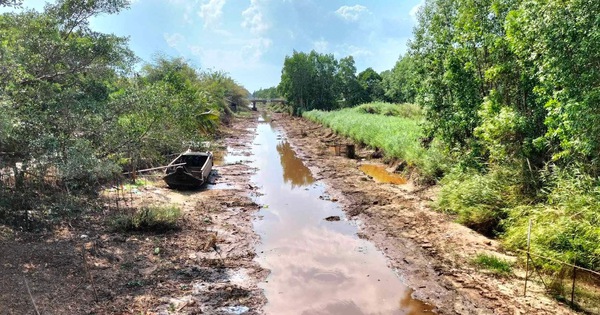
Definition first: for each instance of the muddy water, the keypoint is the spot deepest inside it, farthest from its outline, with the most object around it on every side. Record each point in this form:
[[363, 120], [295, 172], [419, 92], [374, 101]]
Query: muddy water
[[380, 174], [317, 266]]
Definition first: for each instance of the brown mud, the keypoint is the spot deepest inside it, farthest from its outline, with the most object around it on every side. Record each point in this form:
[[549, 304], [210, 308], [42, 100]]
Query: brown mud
[[318, 264], [84, 267], [432, 254]]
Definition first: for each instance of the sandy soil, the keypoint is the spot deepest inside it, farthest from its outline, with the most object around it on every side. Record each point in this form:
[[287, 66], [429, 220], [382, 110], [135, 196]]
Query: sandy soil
[[82, 267], [431, 252]]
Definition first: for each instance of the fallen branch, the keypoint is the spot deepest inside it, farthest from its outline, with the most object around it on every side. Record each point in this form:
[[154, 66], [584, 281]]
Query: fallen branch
[[31, 296], [85, 267]]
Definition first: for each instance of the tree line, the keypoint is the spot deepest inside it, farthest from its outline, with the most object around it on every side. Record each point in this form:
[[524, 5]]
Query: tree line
[[511, 91], [319, 81], [74, 112]]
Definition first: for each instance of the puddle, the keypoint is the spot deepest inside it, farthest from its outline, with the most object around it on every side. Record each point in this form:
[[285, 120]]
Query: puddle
[[380, 174], [317, 266]]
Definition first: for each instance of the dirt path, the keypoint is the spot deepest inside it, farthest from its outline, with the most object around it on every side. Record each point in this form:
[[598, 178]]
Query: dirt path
[[83, 267], [431, 252]]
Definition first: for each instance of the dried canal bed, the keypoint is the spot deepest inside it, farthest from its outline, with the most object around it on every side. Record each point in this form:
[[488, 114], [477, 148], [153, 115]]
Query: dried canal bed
[[317, 266]]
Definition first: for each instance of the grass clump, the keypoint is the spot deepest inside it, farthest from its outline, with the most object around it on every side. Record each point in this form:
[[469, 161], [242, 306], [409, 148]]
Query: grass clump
[[384, 126], [493, 263], [565, 226], [480, 201], [148, 219], [406, 110], [280, 108]]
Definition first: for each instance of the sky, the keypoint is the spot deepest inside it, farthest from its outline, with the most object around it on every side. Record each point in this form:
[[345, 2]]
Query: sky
[[249, 39]]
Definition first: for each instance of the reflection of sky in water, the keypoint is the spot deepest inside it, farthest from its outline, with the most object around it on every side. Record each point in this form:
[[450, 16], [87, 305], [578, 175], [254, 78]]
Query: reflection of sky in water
[[317, 267], [294, 171]]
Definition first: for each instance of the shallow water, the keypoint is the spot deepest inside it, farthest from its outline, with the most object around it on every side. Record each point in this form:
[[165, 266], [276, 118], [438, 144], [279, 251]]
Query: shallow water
[[317, 266], [380, 174]]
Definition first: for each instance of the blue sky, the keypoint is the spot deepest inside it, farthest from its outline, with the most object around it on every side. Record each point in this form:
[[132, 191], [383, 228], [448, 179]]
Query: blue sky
[[249, 39]]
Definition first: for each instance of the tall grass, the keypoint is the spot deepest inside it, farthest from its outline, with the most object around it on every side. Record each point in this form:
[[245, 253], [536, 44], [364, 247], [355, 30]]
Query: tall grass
[[393, 128]]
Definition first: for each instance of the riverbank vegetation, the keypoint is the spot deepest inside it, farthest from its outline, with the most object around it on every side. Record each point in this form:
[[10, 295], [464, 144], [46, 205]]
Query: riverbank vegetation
[[74, 113], [510, 90], [393, 128]]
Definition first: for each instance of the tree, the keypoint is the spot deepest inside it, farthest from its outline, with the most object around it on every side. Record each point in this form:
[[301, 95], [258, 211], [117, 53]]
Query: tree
[[370, 81], [401, 84], [308, 81], [268, 93], [350, 89], [59, 92]]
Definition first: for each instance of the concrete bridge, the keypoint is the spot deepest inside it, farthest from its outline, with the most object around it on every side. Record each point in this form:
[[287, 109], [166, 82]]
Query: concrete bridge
[[265, 101]]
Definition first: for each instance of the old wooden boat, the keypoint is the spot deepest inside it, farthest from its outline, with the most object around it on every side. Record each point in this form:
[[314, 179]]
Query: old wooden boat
[[189, 170]]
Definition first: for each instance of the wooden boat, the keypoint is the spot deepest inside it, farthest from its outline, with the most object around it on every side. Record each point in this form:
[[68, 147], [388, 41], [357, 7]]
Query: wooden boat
[[189, 170]]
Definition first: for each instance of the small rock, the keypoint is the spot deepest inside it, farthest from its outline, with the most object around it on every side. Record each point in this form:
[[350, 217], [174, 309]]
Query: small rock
[[333, 218]]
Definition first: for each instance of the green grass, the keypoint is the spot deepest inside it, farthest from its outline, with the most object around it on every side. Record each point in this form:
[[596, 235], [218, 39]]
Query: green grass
[[493, 264], [393, 128], [412, 111], [150, 219], [279, 108]]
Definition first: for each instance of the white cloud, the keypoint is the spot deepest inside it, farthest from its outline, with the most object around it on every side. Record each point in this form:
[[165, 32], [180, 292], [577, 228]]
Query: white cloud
[[173, 39], [211, 12], [351, 13], [248, 57], [321, 45], [415, 10], [254, 19], [355, 51]]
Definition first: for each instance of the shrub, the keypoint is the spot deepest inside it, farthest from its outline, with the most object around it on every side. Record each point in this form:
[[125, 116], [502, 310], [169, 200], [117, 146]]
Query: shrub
[[152, 218], [481, 201], [493, 263], [388, 109], [566, 226], [399, 137]]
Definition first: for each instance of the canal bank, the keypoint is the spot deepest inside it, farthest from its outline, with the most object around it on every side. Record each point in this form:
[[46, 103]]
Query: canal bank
[[432, 254], [318, 263]]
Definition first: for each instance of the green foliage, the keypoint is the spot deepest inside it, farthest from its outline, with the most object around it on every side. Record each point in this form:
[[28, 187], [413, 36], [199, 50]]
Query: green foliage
[[400, 84], [412, 111], [318, 81], [148, 219], [397, 136], [566, 226], [493, 263], [481, 201], [511, 89], [350, 89], [268, 93], [72, 110], [370, 81]]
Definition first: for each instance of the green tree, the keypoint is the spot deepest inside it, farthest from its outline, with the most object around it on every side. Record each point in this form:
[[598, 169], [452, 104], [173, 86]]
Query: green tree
[[370, 81], [59, 75], [308, 81], [350, 89], [401, 85]]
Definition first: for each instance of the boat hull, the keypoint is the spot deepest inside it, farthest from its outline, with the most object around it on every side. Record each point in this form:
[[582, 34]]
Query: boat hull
[[193, 174]]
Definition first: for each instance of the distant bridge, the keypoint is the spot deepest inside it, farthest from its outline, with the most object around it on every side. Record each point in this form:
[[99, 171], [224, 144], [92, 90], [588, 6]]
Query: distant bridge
[[265, 101]]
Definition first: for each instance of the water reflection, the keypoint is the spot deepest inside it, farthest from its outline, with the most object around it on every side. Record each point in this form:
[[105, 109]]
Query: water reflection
[[294, 171], [317, 267], [380, 174]]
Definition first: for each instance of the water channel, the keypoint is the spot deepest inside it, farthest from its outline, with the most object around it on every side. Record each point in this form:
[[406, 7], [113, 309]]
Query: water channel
[[317, 266]]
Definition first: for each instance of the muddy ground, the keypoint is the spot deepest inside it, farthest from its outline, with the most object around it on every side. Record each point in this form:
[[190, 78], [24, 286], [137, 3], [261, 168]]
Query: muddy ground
[[431, 252], [84, 267]]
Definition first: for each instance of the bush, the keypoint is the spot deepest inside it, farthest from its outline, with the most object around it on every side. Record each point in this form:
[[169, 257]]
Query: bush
[[152, 218], [481, 201], [399, 137], [566, 226], [388, 109], [493, 263]]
